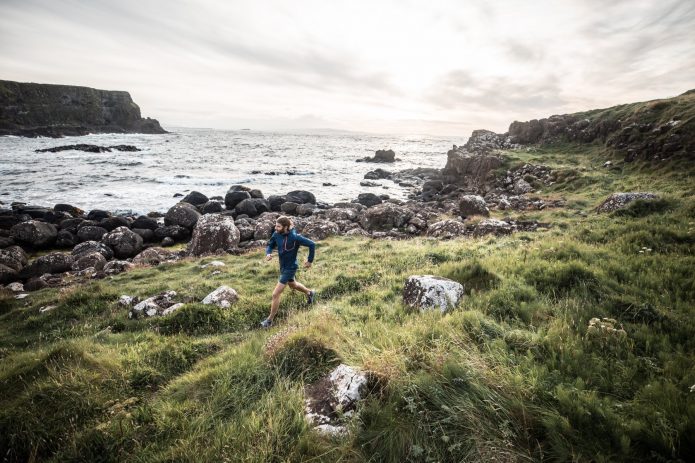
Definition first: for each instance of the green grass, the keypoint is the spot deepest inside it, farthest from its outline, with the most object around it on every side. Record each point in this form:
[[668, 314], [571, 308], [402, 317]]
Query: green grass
[[512, 374]]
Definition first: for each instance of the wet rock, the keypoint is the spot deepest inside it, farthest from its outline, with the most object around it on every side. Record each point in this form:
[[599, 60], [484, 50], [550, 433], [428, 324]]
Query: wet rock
[[252, 207], [195, 198], [175, 232], [380, 156], [112, 223], [34, 233], [234, 197], [66, 239], [256, 193], [211, 207], [55, 262], [89, 247], [212, 234], [620, 200], [182, 214], [275, 202], [377, 174], [447, 229], [300, 197], [124, 242], [153, 256], [432, 292], [223, 297], [368, 199], [146, 234], [117, 266], [95, 260], [70, 209], [91, 233], [145, 222], [473, 205], [98, 214]]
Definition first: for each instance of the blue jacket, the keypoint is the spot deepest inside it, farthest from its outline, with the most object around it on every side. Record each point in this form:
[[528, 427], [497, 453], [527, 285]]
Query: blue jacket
[[288, 245]]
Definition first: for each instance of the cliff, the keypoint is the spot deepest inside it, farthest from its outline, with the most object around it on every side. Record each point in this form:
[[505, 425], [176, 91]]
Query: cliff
[[654, 129], [30, 110]]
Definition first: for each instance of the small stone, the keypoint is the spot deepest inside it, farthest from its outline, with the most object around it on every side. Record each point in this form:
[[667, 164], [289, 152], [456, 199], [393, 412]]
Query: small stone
[[223, 297]]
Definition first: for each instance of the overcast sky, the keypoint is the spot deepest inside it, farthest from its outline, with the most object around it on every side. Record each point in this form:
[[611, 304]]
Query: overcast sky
[[437, 67]]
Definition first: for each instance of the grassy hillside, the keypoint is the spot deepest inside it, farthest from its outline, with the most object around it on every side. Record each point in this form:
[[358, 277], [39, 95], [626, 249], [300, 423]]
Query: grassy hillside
[[513, 374]]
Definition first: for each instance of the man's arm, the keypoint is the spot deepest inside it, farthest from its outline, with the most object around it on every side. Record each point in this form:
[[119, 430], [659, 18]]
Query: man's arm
[[308, 243], [271, 245]]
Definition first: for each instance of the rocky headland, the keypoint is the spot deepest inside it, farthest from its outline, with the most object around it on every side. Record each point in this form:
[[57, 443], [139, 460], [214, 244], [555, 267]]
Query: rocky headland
[[31, 110]]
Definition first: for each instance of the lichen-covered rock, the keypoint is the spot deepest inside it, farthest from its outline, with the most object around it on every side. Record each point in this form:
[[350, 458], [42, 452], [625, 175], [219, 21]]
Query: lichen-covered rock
[[91, 233], [117, 266], [213, 233], [224, 297], [320, 229], [153, 306], [153, 256], [432, 292], [620, 200], [447, 229], [7, 274], [55, 262], [492, 226], [335, 397], [175, 232], [521, 187], [473, 205], [384, 217], [124, 242], [13, 257], [182, 214], [34, 233], [89, 247], [95, 260], [263, 229]]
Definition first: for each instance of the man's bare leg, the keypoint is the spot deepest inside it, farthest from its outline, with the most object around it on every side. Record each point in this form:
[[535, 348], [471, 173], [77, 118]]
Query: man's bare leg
[[277, 292], [297, 286]]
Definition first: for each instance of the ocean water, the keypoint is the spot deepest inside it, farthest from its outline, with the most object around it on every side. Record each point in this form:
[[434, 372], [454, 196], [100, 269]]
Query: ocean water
[[206, 160]]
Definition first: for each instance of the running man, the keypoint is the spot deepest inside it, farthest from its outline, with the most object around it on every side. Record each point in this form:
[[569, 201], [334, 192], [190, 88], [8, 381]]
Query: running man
[[287, 240]]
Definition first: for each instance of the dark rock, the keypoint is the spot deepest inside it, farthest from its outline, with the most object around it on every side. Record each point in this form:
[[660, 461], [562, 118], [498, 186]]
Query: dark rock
[[35, 284], [36, 212], [620, 200], [34, 233], [55, 262], [66, 239], [246, 229], [289, 207], [195, 198], [234, 197], [168, 241], [256, 193], [7, 274], [252, 207], [145, 222], [6, 241], [175, 232], [470, 205], [369, 184], [117, 266], [90, 233], [300, 197], [88, 148], [70, 225], [124, 242], [447, 229], [89, 247], [368, 199], [182, 214], [146, 234], [377, 174], [214, 233], [384, 217], [275, 202], [98, 214], [14, 258], [111, 223], [380, 156], [305, 210], [211, 207]]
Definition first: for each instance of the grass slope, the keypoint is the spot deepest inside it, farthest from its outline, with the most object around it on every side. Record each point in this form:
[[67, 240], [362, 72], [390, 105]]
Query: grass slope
[[513, 374]]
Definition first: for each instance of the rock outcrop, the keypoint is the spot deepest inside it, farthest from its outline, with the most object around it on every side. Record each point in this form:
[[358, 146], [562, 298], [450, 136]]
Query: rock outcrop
[[31, 110]]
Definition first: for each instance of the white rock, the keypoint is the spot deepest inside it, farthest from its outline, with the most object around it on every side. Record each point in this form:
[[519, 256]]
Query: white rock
[[172, 309], [224, 297], [47, 308], [15, 287], [214, 263], [348, 383], [432, 292], [125, 300], [331, 430], [21, 296]]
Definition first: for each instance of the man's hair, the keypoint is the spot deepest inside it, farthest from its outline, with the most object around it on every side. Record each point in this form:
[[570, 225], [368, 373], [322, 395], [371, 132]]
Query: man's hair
[[285, 221]]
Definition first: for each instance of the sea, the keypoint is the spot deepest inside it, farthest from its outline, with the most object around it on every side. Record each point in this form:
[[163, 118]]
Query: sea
[[208, 161]]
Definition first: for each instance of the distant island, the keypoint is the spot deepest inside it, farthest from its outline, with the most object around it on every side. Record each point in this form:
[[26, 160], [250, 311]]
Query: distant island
[[32, 110]]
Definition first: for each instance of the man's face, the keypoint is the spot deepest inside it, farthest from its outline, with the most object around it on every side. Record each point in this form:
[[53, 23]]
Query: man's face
[[280, 228]]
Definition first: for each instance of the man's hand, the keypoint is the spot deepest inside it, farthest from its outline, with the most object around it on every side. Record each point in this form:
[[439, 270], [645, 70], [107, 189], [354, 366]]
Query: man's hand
[[307, 264], [268, 257]]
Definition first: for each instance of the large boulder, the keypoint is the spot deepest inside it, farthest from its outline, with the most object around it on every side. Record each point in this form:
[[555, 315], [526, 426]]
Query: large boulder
[[195, 198], [145, 222], [234, 197], [223, 297], [384, 217], [34, 233], [115, 267], [252, 207], [95, 260], [300, 197], [275, 202], [55, 262], [473, 205], [446, 229], [368, 199], [154, 306], [620, 200], [318, 229], [182, 214], [153, 256], [89, 247], [492, 226], [175, 232], [336, 214], [213, 232], [211, 207], [112, 223], [264, 228], [7, 274], [66, 239], [13, 257], [432, 292], [69, 208], [98, 214], [91, 233], [124, 242]]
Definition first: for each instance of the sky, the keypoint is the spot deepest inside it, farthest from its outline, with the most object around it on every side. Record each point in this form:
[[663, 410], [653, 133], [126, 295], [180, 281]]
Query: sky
[[403, 67]]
